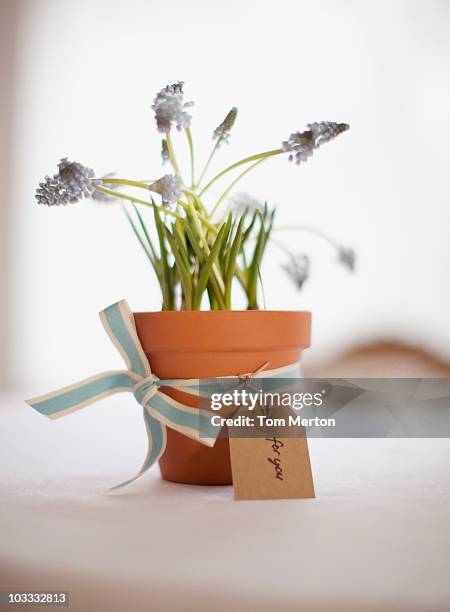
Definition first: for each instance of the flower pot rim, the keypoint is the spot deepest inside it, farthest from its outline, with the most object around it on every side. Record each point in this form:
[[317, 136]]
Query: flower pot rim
[[223, 330], [220, 312]]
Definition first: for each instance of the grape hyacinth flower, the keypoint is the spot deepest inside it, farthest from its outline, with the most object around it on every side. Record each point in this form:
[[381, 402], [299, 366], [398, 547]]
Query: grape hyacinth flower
[[297, 269], [170, 108], [302, 145], [53, 192], [77, 178], [243, 202], [222, 132], [326, 131], [347, 257], [72, 183], [169, 188]]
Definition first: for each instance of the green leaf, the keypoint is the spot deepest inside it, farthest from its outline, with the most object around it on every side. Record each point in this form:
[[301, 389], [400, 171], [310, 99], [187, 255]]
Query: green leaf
[[137, 234], [153, 260], [231, 262], [228, 229], [193, 241], [166, 272], [146, 234], [178, 235], [254, 268], [182, 267], [248, 230], [207, 268], [213, 286]]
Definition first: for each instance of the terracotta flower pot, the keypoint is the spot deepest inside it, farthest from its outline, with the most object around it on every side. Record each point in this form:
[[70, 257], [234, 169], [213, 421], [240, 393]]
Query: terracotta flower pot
[[193, 344]]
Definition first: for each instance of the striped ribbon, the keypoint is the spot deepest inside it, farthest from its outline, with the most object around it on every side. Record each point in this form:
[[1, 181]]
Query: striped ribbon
[[159, 410]]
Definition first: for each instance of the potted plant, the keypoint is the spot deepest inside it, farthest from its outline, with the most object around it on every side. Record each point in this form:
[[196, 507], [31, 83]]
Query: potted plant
[[199, 252]]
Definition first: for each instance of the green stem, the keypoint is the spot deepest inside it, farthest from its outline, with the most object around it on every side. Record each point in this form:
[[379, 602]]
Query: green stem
[[139, 184], [246, 160], [172, 157], [311, 230], [198, 202], [119, 181], [232, 185], [202, 235], [281, 247], [191, 153], [124, 196], [211, 155], [212, 228]]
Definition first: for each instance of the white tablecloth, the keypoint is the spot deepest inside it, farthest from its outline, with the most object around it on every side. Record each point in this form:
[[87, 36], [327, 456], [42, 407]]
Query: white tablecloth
[[376, 538]]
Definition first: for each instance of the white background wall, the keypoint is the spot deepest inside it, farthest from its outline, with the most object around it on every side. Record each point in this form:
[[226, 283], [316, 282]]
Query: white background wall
[[85, 76]]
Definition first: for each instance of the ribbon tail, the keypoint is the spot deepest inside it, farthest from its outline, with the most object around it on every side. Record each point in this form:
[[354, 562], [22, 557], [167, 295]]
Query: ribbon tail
[[191, 422], [74, 397], [157, 439]]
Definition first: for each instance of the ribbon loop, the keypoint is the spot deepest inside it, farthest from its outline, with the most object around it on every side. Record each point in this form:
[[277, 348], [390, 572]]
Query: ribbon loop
[[118, 322]]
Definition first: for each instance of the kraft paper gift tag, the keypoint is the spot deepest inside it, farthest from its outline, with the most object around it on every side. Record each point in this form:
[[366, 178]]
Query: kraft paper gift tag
[[270, 465]]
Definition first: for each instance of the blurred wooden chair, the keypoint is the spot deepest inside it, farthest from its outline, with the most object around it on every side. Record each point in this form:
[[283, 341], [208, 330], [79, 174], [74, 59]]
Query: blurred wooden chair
[[382, 359]]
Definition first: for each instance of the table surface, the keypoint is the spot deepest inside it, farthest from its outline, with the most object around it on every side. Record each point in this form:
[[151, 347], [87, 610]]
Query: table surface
[[376, 538]]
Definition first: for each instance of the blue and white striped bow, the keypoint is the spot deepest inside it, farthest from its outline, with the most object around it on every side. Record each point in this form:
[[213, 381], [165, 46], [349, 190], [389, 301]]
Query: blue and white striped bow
[[160, 410]]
